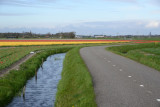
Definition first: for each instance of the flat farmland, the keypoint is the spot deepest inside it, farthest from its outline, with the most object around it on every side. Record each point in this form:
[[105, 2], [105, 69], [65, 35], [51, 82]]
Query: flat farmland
[[55, 42], [148, 54], [10, 55], [76, 87]]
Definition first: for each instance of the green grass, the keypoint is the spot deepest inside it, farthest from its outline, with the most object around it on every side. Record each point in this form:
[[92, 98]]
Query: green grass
[[12, 83], [146, 38], [126, 48], [155, 51], [76, 87], [148, 54], [10, 55]]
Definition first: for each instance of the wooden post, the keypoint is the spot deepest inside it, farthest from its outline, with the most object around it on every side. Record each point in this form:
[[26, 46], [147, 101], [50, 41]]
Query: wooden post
[[42, 60], [24, 88], [36, 75]]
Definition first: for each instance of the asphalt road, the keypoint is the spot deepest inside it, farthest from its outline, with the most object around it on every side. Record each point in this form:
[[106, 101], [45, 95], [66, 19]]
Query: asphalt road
[[121, 82]]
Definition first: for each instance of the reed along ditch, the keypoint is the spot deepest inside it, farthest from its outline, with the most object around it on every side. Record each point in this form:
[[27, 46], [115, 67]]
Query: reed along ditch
[[40, 91]]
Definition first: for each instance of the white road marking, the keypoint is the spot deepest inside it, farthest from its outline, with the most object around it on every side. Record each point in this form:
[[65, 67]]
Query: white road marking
[[141, 85], [120, 70], [158, 100], [114, 65], [149, 92], [129, 76]]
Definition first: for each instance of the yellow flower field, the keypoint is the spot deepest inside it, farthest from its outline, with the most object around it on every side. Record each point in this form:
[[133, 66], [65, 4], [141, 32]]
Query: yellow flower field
[[52, 42]]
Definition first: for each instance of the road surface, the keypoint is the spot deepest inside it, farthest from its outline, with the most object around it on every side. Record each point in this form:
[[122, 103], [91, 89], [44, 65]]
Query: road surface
[[119, 81]]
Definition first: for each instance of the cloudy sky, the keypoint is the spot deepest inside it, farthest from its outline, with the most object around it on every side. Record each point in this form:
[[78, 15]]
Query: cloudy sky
[[87, 17]]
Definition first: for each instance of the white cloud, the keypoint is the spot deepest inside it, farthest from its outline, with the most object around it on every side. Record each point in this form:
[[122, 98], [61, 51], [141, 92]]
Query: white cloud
[[130, 1], [87, 28], [28, 3], [153, 24], [156, 12], [16, 14], [156, 1]]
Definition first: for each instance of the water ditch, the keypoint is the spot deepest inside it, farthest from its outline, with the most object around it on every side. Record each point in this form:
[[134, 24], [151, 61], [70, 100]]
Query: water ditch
[[40, 91]]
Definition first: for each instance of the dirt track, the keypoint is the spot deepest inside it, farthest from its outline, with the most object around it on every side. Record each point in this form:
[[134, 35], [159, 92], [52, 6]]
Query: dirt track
[[15, 65]]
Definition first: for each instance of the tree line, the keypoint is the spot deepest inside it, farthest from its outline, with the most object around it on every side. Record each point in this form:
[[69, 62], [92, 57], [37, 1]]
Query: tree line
[[61, 35]]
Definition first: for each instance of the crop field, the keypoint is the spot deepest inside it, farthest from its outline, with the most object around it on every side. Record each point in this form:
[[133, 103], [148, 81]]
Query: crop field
[[148, 54], [10, 55], [13, 82], [58, 42], [53, 42]]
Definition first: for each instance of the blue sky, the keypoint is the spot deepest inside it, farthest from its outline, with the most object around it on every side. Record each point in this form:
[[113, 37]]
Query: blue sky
[[87, 17]]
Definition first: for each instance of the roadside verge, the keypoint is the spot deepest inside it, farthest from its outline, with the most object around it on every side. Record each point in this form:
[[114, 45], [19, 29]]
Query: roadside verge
[[147, 54], [75, 89], [13, 82]]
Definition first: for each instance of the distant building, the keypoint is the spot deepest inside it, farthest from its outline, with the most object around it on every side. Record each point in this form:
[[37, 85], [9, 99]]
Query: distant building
[[12, 36], [99, 36], [83, 36]]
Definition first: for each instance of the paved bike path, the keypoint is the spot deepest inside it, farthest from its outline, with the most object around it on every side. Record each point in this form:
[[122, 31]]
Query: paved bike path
[[119, 81]]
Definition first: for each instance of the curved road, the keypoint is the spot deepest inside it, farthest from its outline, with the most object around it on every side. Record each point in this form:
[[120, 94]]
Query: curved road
[[121, 82]]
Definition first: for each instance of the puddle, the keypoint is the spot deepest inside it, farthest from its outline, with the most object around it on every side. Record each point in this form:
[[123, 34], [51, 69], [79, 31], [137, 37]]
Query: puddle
[[40, 91]]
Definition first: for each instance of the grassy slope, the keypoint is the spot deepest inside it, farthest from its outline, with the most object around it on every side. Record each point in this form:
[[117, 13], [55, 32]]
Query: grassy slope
[[75, 88], [144, 53], [147, 38], [12, 55], [15, 80]]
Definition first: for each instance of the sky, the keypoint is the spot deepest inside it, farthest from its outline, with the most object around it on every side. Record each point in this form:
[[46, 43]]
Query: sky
[[85, 17]]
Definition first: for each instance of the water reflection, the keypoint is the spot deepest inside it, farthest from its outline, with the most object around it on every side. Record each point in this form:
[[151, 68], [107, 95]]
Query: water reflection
[[40, 91], [24, 88], [36, 76]]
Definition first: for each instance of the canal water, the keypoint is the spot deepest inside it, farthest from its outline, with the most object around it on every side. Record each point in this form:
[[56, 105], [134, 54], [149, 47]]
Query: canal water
[[40, 91]]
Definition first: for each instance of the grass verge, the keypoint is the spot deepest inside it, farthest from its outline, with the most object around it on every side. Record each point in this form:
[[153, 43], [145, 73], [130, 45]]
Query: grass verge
[[147, 54], [12, 83], [75, 89]]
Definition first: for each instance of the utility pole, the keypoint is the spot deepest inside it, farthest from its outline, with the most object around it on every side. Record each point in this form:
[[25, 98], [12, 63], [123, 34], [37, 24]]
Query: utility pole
[[150, 34]]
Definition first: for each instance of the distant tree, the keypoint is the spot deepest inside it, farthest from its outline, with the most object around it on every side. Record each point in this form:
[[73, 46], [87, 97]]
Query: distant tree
[[66, 35]]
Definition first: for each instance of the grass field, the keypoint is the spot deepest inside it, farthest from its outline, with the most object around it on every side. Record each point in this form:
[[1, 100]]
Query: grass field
[[9, 56], [75, 89], [146, 38], [13, 82], [148, 54]]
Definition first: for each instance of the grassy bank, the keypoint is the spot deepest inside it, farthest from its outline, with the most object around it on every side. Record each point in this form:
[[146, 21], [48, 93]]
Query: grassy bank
[[75, 89], [15, 80], [8, 56], [148, 54]]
